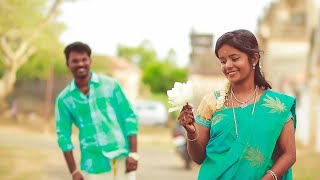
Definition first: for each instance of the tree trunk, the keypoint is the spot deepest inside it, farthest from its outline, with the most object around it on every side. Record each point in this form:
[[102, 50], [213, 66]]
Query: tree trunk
[[7, 81], [15, 58]]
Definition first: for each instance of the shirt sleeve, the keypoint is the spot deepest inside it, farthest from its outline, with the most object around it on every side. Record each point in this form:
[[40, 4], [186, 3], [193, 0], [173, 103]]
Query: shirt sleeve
[[127, 115], [63, 126]]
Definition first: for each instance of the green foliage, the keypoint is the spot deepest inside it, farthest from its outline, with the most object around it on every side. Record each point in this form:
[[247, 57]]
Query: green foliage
[[21, 16], [18, 20], [38, 65], [158, 74], [161, 76], [142, 56]]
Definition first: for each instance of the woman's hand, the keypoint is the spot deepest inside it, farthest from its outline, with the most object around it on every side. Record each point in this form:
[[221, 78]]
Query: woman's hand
[[267, 176], [186, 119]]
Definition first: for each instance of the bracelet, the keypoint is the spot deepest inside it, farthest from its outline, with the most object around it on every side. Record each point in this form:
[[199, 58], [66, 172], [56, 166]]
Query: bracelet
[[74, 172], [197, 132], [134, 155], [274, 177]]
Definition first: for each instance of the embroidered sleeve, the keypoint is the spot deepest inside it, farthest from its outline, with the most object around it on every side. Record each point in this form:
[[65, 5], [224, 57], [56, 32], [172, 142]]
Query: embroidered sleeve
[[203, 122], [290, 117], [207, 107], [290, 113]]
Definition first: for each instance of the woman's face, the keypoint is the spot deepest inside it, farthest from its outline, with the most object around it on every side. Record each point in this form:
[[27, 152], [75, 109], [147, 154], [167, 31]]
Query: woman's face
[[235, 64]]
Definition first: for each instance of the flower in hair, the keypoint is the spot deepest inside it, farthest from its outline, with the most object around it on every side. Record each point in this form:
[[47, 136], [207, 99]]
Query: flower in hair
[[223, 95]]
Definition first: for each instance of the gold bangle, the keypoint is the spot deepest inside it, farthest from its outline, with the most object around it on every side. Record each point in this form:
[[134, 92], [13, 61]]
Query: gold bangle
[[74, 172], [197, 132], [274, 177]]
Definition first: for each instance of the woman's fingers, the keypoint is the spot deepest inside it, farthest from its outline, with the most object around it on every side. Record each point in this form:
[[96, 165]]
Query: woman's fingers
[[186, 119], [190, 128], [188, 106], [189, 118], [185, 113]]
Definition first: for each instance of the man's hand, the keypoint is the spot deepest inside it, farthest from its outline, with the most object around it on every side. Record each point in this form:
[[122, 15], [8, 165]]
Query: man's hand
[[77, 176], [131, 164]]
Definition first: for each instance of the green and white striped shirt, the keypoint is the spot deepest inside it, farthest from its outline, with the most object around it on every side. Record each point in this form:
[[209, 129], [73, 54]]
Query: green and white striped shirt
[[104, 119]]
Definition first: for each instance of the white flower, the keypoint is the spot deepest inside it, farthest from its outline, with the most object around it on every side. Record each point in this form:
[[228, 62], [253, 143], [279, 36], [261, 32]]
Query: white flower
[[180, 95]]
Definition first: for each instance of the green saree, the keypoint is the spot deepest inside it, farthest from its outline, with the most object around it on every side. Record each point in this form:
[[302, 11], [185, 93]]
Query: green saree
[[250, 155]]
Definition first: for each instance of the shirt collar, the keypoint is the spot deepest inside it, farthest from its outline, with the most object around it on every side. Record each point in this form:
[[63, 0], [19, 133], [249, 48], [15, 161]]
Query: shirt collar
[[94, 79]]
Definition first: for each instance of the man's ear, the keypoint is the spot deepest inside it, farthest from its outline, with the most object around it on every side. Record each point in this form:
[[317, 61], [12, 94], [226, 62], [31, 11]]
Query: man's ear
[[67, 63]]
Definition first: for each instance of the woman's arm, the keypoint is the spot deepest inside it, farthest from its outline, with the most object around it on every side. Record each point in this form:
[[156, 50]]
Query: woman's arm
[[287, 151], [198, 135], [197, 148]]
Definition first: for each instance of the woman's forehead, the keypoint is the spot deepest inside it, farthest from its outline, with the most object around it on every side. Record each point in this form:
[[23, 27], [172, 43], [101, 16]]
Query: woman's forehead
[[227, 50]]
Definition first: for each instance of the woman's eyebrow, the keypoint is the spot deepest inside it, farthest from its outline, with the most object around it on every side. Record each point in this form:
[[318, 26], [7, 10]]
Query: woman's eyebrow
[[228, 56], [233, 55]]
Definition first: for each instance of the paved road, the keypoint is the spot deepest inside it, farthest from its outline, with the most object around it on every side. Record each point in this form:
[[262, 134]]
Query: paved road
[[157, 162]]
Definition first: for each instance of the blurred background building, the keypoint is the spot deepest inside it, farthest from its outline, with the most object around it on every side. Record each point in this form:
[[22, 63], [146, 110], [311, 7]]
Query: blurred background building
[[287, 34], [204, 66]]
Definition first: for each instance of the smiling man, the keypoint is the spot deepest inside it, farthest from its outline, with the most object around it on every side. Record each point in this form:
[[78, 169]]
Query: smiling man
[[107, 125]]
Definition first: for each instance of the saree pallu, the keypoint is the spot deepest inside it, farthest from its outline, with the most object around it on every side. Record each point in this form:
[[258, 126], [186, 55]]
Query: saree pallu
[[249, 155]]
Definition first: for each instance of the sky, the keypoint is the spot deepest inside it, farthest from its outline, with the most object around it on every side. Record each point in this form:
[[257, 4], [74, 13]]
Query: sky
[[104, 24]]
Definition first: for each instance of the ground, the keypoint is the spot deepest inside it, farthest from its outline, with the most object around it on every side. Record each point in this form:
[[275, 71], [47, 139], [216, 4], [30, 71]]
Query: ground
[[28, 155], [32, 155]]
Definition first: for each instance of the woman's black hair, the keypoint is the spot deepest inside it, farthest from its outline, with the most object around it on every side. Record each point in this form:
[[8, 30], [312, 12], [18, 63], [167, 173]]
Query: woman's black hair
[[246, 42]]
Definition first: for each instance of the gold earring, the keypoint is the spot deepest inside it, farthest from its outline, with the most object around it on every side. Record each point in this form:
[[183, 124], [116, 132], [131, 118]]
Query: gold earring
[[254, 67]]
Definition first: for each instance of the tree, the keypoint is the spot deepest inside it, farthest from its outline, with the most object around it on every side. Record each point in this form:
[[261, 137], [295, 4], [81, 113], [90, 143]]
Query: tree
[[22, 24], [142, 55], [158, 74], [168, 74]]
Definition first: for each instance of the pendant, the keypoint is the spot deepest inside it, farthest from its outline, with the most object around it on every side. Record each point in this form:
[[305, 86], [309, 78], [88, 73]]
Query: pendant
[[243, 105]]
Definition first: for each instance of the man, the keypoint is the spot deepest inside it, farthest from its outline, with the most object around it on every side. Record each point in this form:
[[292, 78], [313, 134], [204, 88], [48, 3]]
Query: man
[[106, 122]]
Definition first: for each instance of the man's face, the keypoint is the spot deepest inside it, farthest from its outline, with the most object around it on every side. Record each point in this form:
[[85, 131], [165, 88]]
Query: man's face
[[79, 64]]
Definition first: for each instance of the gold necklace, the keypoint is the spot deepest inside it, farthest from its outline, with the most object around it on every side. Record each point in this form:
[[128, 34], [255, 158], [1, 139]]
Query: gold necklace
[[234, 113]]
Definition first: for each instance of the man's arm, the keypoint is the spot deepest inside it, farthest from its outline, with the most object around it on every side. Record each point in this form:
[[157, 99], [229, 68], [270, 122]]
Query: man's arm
[[132, 160], [64, 131], [133, 140], [68, 155], [130, 122], [126, 113]]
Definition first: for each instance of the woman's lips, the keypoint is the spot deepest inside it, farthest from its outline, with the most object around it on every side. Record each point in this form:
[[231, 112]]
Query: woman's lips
[[232, 72]]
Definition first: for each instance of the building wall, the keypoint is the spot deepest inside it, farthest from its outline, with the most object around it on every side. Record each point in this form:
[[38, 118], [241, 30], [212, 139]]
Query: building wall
[[204, 68], [285, 61], [286, 34]]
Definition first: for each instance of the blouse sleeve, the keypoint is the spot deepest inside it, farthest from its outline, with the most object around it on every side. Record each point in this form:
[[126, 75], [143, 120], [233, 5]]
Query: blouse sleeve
[[292, 113], [203, 122], [290, 116]]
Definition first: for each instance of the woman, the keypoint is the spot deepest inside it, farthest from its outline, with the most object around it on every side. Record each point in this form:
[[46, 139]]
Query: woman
[[246, 130]]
